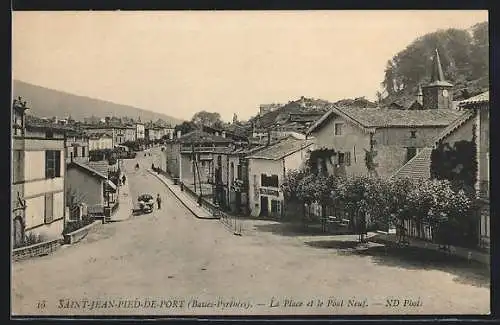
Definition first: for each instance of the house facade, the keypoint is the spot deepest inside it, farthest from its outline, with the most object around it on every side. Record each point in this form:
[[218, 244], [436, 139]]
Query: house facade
[[76, 147], [140, 131], [129, 133], [474, 127], [267, 170], [100, 141], [90, 186], [196, 156], [381, 140], [37, 192]]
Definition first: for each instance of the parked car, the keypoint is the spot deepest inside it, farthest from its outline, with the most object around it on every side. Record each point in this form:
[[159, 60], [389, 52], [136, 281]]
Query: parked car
[[146, 203]]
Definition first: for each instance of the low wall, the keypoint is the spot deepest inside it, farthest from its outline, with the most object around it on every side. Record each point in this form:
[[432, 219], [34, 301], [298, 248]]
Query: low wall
[[79, 234], [40, 249], [469, 254]]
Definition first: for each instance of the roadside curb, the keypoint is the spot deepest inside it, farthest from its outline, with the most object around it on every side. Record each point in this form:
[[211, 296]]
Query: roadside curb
[[181, 200]]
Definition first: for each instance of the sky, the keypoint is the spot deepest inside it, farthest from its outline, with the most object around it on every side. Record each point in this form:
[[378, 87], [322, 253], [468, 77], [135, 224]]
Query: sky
[[179, 63]]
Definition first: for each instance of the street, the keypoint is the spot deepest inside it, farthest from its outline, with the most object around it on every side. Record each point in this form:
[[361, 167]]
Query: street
[[171, 255]]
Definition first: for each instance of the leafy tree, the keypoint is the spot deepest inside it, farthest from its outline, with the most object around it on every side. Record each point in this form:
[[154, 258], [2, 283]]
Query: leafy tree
[[464, 58], [184, 127], [205, 118]]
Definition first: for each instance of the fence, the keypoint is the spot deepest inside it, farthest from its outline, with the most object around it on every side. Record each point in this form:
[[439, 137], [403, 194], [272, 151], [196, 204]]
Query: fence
[[231, 222]]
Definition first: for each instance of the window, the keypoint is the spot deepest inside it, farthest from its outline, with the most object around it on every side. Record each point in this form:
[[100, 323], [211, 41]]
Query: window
[[49, 208], [275, 208], [238, 172], [338, 128], [75, 151], [410, 153], [17, 165], [348, 158], [49, 134], [341, 158], [231, 172], [413, 134], [269, 181], [52, 163]]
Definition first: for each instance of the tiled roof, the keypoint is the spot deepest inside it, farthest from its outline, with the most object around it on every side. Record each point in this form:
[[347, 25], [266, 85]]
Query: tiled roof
[[385, 117], [417, 167], [380, 117], [92, 171], [453, 126], [198, 136], [282, 149], [481, 98], [100, 166]]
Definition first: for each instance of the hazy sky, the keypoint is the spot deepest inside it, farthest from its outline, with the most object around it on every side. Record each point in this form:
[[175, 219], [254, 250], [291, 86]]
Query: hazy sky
[[179, 63]]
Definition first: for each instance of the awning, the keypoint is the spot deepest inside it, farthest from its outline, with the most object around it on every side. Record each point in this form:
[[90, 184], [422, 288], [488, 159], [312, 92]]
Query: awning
[[111, 184]]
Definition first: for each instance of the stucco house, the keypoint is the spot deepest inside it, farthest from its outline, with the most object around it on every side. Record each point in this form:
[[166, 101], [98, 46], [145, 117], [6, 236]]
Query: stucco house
[[38, 174], [267, 170], [381, 140], [100, 141], [86, 184]]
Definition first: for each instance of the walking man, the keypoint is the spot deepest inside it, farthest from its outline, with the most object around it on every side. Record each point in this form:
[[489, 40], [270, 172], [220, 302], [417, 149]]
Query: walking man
[[124, 179], [158, 201]]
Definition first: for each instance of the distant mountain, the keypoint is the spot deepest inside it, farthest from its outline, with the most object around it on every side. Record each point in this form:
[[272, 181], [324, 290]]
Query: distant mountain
[[45, 102]]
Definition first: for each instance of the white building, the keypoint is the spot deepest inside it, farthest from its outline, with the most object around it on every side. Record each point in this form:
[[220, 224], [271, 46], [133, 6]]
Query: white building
[[267, 170], [140, 131], [38, 173], [100, 141]]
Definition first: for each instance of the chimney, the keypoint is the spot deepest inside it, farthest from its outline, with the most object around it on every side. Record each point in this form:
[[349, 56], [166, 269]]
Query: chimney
[[179, 133]]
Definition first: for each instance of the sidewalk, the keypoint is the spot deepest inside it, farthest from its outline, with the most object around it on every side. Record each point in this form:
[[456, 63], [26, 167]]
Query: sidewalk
[[189, 202], [469, 254], [125, 208]]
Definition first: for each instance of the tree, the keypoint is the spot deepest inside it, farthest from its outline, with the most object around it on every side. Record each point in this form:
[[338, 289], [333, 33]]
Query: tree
[[205, 118], [184, 127], [464, 58]]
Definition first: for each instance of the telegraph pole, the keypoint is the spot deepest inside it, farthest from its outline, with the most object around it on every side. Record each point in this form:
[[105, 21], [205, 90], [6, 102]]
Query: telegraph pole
[[194, 170]]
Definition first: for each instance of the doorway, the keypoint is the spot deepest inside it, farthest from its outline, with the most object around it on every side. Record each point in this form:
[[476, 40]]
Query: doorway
[[264, 206]]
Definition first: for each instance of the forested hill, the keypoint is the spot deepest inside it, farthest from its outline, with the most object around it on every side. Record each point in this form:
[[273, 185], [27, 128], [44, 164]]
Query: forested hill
[[464, 58], [47, 102]]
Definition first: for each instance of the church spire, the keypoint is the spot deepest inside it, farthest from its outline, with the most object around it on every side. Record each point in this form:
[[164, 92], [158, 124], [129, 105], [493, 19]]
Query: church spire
[[437, 70]]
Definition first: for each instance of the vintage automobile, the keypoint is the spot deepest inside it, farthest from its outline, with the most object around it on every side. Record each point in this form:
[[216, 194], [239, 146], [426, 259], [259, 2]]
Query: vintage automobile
[[146, 203]]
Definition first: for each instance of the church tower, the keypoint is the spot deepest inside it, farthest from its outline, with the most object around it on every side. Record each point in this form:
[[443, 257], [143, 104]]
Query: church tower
[[437, 94]]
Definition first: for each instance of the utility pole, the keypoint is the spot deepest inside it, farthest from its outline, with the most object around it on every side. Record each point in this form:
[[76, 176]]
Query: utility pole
[[193, 157]]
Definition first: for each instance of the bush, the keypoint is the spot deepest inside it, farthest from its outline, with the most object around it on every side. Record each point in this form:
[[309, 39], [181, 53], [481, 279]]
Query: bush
[[31, 239], [75, 225]]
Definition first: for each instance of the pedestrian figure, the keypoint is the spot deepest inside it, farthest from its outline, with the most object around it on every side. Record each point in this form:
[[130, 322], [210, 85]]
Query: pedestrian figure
[[158, 201], [124, 179], [199, 200], [153, 166]]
